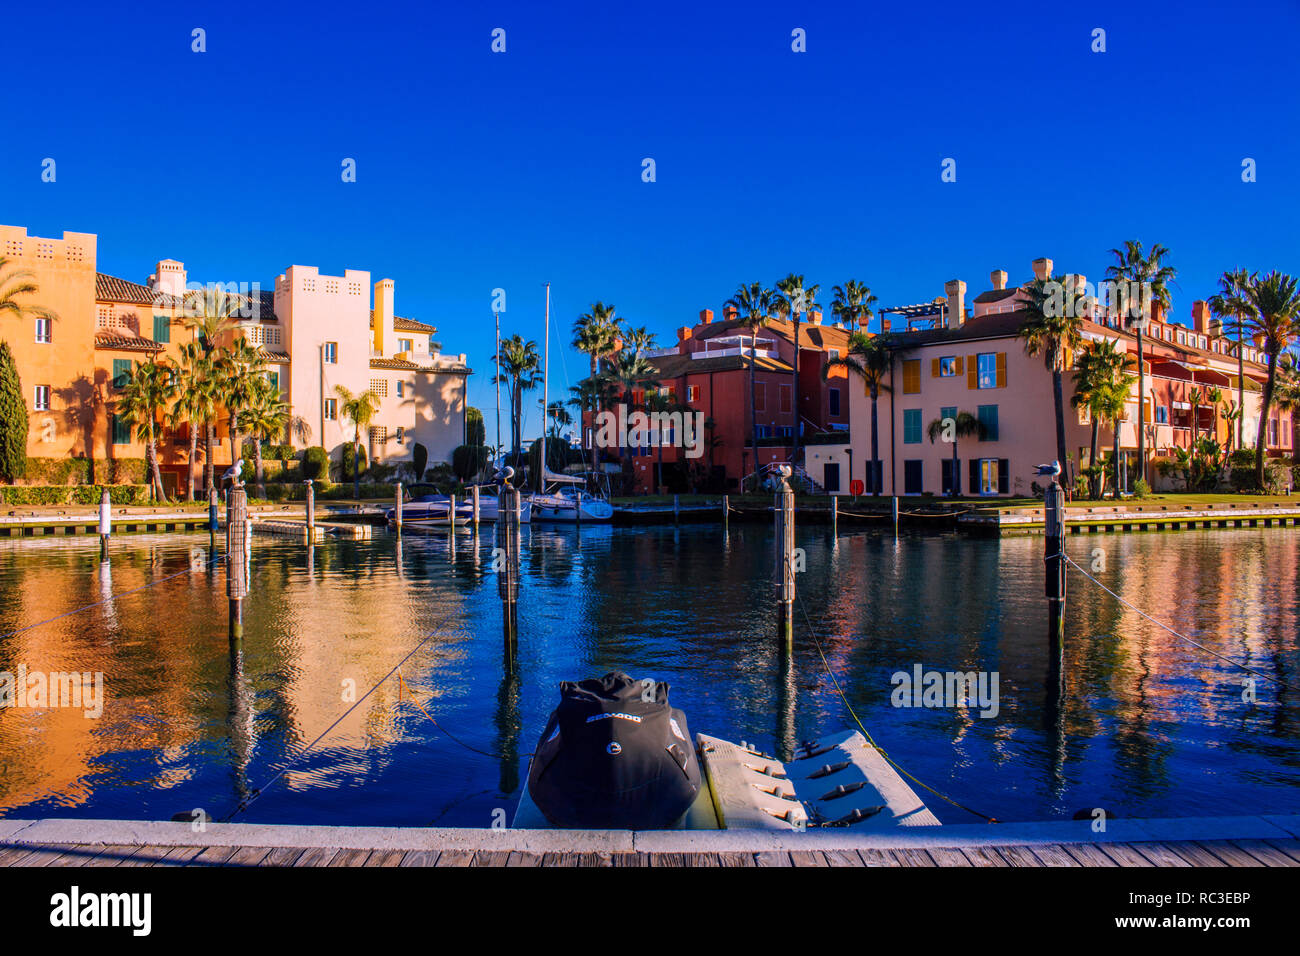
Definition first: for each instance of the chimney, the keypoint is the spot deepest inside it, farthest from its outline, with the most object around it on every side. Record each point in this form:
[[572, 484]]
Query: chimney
[[168, 277], [706, 316], [1042, 268], [884, 324], [683, 333], [729, 312], [815, 318], [382, 332], [1201, 316], [999, 279], [956, 291]]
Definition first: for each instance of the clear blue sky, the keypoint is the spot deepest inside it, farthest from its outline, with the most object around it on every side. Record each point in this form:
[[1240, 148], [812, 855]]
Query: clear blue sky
[[479, 170]]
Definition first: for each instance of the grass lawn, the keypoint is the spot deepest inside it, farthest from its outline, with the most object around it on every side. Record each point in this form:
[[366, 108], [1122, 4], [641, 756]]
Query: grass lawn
[[1153, 502]]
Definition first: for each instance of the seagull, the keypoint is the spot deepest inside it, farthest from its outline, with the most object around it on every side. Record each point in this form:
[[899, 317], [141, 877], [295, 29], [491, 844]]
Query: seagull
[[505, 474], [232, 474], [1051, 471]]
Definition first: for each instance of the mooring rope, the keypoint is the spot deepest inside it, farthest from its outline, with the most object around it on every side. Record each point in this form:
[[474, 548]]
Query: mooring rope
[[401, 682], [1158, 623], [112, 597], [890, 760]]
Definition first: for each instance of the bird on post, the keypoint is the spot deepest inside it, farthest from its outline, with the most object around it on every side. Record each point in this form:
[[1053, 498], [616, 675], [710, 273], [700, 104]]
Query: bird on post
[[504, 475], [232, 474], [1052, 470]]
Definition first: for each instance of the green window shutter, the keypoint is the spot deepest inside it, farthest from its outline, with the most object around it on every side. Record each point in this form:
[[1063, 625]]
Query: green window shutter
[[162, 329], [273, 378], [988, 416], [121, 372], [912, 426], [948, 411], [121, 431]]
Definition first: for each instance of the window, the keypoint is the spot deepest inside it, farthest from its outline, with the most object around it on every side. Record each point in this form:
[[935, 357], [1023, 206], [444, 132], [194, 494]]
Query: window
[[760, 396], [988, 476], [831, 476], [1162, 414], [986, 370], [42, 400], [401, 432], [162, 329], [834, 397], [401, 389], [692, 393], [949, 365], [784, 392], [988, 416], [911, 376], [946, 477], [912, 426], [1272, 430], [331, 353], [120, 430], [331, 409], [947, 412], [912, 477], [274, 378], [763, 431], [43, 331], [833, 353], [379, 386], [121, 372], [404, 345]]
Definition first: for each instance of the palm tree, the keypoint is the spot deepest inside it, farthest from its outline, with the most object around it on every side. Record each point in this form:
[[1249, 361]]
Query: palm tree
[[794, 301], [520, 372], [142, 403], [594, 332], [964, 425], [662, 403], [265, 418], [359, 410], [587, 395], [639, 340], [1110, 404], [211, 314], [870, 357], [1055, 333], [1194, 398], [1214, 398], [1274, 320], [196, 401], [1230, 302], [241, 368], [1099, 366], [1141, 272], [852, 304], [754, 305], [627, 372], [18, 282]]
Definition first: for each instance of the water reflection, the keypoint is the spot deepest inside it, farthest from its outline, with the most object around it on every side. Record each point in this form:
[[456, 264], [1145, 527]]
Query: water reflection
[[1124, 716]]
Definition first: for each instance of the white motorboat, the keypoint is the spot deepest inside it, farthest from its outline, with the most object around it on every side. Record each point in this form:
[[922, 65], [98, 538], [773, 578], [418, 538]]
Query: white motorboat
[[568, 502]]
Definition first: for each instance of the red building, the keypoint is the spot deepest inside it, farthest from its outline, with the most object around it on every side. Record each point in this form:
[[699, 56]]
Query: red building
[[707, 371]]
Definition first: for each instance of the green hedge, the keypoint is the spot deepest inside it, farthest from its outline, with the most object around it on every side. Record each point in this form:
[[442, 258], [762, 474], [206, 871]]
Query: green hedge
[[76, 471], [73, 494]]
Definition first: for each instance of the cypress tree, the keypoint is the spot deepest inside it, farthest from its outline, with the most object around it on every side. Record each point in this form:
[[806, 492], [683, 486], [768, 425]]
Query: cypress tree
[[13, 419]]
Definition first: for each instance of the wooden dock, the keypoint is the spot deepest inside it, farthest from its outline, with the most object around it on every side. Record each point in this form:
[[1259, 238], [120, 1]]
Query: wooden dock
[[1202, 842]]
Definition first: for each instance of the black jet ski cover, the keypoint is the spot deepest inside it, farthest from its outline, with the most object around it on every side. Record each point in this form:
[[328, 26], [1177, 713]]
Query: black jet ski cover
[[614, 755]]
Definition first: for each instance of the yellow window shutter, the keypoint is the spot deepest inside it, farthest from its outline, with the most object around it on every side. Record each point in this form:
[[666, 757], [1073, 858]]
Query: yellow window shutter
[[958, 365], [972, 375], [1146, 410], [911, 376], [934, 367], [1002, 370]]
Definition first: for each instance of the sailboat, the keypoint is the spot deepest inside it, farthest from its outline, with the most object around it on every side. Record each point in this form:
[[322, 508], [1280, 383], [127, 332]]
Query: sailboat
[[562, 498]]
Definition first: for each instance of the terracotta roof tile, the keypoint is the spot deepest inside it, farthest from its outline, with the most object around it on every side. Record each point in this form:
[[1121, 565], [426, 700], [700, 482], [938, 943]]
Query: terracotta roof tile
[[125, 341], [112, 289], [403, 324]]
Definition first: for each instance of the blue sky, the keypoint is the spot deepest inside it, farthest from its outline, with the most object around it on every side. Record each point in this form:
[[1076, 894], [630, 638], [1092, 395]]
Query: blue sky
[[478, 170]]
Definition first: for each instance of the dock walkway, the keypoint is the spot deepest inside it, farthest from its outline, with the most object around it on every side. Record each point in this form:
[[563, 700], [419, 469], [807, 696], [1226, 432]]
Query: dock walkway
[[1272, 841]]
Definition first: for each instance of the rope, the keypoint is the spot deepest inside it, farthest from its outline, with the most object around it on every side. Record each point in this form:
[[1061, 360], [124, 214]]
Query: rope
[[888, 759], [1161, 624], [402, 683], [258, 791], [111, 597]]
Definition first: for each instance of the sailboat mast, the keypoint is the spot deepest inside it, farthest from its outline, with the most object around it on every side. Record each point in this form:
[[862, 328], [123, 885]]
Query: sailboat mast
[[546, 375], [498, 382]]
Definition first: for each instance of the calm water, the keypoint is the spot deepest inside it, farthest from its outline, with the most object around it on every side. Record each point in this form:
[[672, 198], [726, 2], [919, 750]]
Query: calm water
[[1147, 726]]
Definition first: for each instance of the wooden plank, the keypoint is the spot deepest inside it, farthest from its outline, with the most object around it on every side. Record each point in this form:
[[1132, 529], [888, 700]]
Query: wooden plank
[[49, 854], [702, 859], [1160, 855], [456, 858], [316, 856], [740, 859], [491, 857], [421, 858], [1193, 854], [1290, 847], [524, 858], [1020, 856], [283, 856], [984, 856], [665, 859], [879, 858], [946, 856], [1123, 854], [349, 858], [1264, 853], [383, 858], [146, 856], [808, 858], [1229, 854], [913, 857], [1088, 854], [772, 858], [113, 855], [1054, 855], [11, 853], [840, 858], [179, 856], [621, 858]]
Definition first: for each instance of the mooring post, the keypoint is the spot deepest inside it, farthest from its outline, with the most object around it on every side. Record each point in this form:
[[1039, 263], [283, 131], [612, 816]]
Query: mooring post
[[451, 511], [1054, 563], [726, 511], [105, 522], [577, 514], [212, 510], [474, 493], [397, 508], [835, 515], [677, 509], [236, 556], [894, 499], [783, 575], [506, 562], [310, 505]]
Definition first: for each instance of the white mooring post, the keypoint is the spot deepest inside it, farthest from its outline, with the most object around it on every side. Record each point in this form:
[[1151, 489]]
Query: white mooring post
[[474, 495], [783, 576], [310, 505], [835, 515], [397, 508], [237, 528], [105, 521], [894, 506], [508, 571], [451, 511]]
